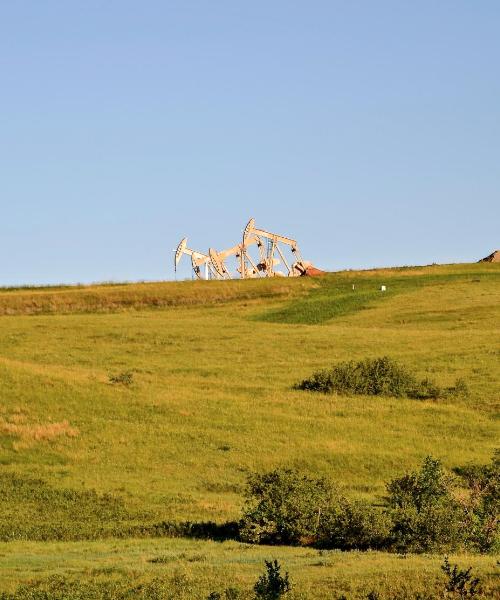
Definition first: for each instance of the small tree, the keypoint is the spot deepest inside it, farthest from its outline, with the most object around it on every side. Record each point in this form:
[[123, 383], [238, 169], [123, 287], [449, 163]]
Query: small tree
[[272, 585], [460, 582], [425, 515], [285, 507], [483, 504]]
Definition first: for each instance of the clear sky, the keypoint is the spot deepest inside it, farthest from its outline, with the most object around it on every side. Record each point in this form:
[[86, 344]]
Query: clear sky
[[368, 130]]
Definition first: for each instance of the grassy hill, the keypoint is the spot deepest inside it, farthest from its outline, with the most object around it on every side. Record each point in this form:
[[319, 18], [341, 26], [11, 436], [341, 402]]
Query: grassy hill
[[212, 367]]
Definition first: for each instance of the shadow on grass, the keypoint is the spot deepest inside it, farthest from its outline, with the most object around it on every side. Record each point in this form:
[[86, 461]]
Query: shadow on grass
[[205, 530]]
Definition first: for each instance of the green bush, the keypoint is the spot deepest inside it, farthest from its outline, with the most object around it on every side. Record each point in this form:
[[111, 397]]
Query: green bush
[[354, 525], [429, 390], [426, 517], [435, 528], [285, 507], [424, 390], [419, 488], [272, 585], [483, 503], [377, 377], [373, 377]]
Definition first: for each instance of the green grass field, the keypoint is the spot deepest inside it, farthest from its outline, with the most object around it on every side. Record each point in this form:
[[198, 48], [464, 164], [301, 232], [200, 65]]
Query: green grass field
[[212, 399]]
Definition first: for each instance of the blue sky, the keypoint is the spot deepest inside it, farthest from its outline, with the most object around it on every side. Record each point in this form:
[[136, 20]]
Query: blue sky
[[369, 131]]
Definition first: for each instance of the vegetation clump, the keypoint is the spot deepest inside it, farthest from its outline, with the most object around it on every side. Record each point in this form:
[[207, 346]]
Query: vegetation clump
[[285, 506], [123, 378], [425, 515], [272, 585], [483, 503], [460, 582], [376, 377], [354, 525], [230, 593], [424, 512]]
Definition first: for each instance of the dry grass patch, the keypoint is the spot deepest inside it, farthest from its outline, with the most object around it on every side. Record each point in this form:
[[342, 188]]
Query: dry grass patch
[[28, 434]]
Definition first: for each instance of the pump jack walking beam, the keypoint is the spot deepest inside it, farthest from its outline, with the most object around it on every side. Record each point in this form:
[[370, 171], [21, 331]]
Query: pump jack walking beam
[[239, 251], [274, 240]]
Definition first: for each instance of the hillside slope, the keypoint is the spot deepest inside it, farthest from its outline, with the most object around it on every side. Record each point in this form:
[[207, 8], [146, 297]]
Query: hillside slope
[[212, 394], [211, 399]]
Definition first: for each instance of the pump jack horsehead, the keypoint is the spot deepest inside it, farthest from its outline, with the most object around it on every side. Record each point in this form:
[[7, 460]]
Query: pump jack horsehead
[[198, 260], [270, 255]]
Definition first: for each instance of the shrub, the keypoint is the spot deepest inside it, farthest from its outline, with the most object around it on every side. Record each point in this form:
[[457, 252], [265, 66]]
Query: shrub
[[483, 503], [354, 526], [425, 515], [433, 529], [123, 378], [284, 507], [420, 488], [424, 390], [428, 390], [460, 582], [459, 389], [272, 585], [377, 377], [373, 377]]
